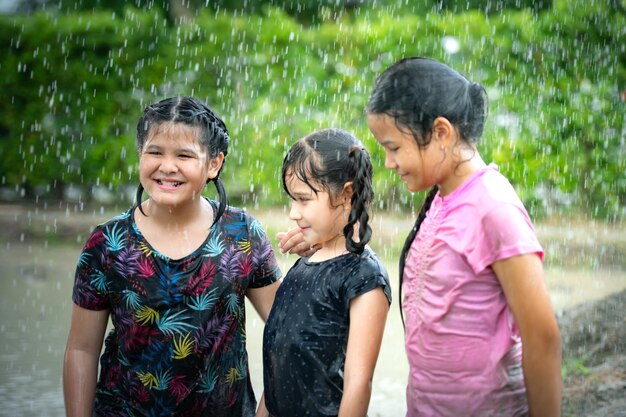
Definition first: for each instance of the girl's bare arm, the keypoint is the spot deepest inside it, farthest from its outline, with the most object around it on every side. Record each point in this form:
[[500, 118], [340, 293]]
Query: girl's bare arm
[[80, 366], [523, 283], [368, 313], [263, 298]]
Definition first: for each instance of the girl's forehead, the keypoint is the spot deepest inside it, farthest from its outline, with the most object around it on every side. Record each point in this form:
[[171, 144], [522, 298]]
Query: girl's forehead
[[174, 133], [293, 181], [296, 185]]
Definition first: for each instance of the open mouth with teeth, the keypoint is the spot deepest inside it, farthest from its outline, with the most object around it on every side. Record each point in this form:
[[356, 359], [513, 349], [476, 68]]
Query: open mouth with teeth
[[169, 183]]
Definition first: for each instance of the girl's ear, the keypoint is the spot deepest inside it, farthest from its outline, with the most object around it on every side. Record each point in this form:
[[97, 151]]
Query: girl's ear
[[346, 196], [215, 164], [444, 132]]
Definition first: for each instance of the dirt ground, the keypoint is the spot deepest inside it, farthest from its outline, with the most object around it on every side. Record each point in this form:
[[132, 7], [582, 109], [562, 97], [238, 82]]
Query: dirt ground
[[594, 354], [593, 334]]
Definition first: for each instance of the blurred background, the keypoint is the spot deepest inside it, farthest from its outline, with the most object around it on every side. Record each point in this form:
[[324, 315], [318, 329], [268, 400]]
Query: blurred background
[[76, 75]]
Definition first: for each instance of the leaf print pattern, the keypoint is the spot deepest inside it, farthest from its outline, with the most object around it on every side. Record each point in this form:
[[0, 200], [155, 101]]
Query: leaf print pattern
[[125, 262], [114, 238], [145, 249], [236, 229], [179, 388], [244, 266], [170, 281], [98, 280], [182, 347], [146, 315], [136, 337], [132, 299], [178, 338], [256, 228], [232, 302], [95, 239], [204, 301], [208, 380], [232, 376], [199, 282], [172, 324], [163, 379], [144, 268], [215, 246], [212, 333], [245, 246], [147, 379], [84, 257], [230, 258]]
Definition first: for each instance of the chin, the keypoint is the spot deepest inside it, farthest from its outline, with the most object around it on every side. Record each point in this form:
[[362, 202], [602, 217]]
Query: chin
[[412, 188]]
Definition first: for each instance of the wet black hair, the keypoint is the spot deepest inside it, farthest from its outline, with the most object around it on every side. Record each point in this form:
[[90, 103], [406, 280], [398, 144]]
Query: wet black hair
[[330, 158], [212, 134], [416, 91]]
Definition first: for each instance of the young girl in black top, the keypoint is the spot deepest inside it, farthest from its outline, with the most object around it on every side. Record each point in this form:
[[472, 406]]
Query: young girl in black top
[[325, 328]]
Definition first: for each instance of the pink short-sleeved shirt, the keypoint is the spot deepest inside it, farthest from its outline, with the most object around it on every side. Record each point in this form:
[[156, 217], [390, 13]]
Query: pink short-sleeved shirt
[[463, 347]]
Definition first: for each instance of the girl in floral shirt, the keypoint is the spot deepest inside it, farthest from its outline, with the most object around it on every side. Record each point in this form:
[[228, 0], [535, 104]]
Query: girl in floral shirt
[[172, 272]]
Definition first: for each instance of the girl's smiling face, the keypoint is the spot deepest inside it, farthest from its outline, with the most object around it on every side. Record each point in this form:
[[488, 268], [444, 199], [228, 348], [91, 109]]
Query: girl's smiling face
[[419, 168], [174, 167], [320, 221]]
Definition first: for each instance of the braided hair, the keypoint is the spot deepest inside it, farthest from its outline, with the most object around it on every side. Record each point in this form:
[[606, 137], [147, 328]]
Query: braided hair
[[330, 158], [213, 134]]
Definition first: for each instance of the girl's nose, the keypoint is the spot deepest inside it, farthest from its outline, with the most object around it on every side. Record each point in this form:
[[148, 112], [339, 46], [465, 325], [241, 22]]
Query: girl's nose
[[294, 214], [168, 165], [390, 163]]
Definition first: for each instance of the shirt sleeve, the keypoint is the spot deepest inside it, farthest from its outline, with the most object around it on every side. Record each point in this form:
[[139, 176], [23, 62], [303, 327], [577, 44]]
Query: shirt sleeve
[[368, 278], [506, 231], [265, 267], [90, 281]]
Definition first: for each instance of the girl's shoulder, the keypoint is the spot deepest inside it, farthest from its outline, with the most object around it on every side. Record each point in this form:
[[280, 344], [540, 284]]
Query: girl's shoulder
[[364, 266], [231, 213], [111, 234], [487, 190], [498, 187], [238, 221], [370, 262], [369, 274], [125, 217]]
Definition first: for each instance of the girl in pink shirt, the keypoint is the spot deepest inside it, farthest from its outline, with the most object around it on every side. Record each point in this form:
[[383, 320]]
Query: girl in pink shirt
[[481, 336]]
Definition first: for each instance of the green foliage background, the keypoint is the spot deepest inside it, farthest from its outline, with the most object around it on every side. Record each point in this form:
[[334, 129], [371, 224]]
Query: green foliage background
[[74, 85]]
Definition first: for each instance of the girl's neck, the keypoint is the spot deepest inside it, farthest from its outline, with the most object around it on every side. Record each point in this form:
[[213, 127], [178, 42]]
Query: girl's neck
[[175, 233], [464, 166], [330, 249], [179, 217]]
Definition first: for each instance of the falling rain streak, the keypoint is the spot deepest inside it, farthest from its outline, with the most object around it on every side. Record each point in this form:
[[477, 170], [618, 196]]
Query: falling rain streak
[[77, 74]]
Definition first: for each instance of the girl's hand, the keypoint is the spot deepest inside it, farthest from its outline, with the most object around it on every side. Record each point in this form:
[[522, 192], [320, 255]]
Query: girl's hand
[[262, 410], [523, 284], [292, 242], [368, 314]]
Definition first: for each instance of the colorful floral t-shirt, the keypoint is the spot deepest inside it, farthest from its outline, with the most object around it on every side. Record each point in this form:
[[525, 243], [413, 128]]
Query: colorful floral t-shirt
[[178, 342]]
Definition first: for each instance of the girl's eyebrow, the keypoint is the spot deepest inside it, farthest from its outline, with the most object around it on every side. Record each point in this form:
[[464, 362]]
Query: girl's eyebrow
[[301, 193], [184, 150], [187, 150]]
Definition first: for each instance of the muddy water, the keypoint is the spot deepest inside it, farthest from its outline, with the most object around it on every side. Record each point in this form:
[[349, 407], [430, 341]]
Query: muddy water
[[35, 287]]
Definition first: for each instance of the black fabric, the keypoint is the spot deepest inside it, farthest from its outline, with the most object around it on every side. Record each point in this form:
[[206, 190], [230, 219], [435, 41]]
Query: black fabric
[[306, 334]]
